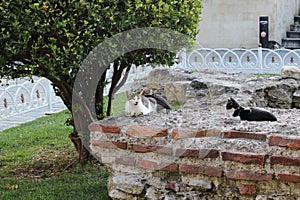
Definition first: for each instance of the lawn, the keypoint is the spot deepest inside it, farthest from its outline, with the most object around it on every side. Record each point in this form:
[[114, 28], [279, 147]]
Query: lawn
[[39, 161]]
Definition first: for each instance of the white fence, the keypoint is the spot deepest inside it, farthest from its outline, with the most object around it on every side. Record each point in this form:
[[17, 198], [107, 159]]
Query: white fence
[[23, 95], [256, 60]]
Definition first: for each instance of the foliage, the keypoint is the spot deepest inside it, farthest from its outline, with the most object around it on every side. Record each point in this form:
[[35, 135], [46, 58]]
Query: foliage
[[51, 38], [37, 161]]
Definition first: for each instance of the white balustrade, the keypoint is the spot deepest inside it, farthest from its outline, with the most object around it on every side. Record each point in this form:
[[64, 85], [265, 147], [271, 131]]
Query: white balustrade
[[24, 95], [258, 60]]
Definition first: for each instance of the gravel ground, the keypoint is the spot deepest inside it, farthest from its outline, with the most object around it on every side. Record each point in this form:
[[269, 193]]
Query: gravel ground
[[204, 114]]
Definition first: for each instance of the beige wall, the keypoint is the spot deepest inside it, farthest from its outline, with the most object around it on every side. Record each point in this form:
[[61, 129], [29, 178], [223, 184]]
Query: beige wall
[[234, 23]]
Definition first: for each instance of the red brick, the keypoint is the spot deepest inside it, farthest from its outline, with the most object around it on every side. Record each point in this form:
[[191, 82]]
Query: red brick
[[187, 153], [246, 135], [108, 144], [208, 153], [247, 189], [289, 178], [147, 164], [186, 133], [199, 153], [285, 160], [193, 169], [246, 175], [197, 169], [170, 167], [144, 148], [105, 126], [246, 158], [146, 131], [213, 132], [193, 133], [285, 141], [130, 161]]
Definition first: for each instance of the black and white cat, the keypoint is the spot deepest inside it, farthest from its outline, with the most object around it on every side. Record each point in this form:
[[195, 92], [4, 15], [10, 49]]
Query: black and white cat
[[162, 103], [249, 114]]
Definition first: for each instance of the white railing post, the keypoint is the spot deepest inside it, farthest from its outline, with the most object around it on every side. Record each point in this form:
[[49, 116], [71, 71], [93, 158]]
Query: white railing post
[[183, 58], [50, 108], [260, 58]]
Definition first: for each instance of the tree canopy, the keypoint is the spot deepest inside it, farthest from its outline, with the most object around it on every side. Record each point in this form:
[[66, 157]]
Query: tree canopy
[[51, 38]]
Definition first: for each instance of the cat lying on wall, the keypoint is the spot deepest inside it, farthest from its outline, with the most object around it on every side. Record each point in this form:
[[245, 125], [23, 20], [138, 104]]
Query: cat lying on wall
[[137, 104], [249, 114], [143, 104]]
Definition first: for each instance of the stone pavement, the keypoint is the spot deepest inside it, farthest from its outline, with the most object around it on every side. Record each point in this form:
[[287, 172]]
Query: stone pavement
[[22, 118]]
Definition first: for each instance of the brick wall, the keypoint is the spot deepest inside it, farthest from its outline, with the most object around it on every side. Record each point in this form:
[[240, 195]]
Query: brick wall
[[147, 162]]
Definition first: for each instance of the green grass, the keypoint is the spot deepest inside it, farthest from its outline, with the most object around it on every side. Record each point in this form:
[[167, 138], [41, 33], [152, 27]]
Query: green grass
[[177, 106], [34, 158], [266, 74], [118, 106], [262, 75], [39, 162], [33, 163]]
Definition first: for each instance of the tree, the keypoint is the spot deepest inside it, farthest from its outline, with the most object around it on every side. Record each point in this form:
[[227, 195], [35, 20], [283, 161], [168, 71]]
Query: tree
[[51, 38]]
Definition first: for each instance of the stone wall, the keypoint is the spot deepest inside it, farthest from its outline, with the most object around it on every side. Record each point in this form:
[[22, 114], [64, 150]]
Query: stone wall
[[200, 151], [156, 162], [234, 23]]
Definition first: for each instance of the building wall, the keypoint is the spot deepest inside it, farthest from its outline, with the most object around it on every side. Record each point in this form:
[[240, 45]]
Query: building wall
[[235, 23]]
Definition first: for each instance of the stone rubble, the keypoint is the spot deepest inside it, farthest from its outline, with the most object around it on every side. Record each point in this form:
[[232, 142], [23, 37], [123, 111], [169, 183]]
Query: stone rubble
[[207, 94]]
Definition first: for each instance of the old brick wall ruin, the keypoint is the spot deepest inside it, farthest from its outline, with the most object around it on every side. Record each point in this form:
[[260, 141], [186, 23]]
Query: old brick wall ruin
[[199, 151], [147, 162]]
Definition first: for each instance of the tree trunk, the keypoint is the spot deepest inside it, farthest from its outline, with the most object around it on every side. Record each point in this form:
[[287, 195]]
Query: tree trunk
[[66, 94], [99, 99], [79, 139], [83, 153], [116, 77]]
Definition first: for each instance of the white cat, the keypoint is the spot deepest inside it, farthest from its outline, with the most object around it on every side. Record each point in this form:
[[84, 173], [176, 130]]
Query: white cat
[[137, 104]]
